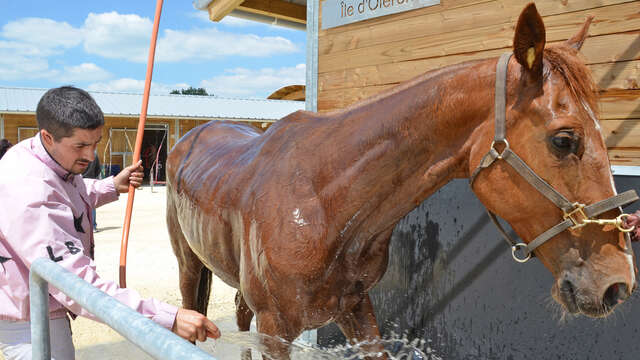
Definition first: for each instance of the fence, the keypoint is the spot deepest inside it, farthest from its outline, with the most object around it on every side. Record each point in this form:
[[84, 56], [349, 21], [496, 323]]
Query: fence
[[149, 336]]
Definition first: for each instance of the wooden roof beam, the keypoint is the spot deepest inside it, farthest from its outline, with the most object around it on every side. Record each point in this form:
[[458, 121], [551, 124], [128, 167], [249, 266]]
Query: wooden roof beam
[[277, 8], [218, 9]]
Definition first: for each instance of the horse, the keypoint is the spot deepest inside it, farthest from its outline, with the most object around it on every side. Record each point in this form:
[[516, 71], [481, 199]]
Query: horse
[[298, 218]]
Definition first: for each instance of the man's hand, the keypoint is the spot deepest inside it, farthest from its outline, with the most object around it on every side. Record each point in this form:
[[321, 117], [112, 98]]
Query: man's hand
[[130, 175], [192, 326], [634, 220]]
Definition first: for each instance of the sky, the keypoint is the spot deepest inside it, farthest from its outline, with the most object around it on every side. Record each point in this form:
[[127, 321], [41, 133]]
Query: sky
[[104, 46]]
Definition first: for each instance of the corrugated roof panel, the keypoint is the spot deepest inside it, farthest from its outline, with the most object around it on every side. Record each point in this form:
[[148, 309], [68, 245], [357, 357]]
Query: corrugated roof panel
[[26, 100], [19, 100]]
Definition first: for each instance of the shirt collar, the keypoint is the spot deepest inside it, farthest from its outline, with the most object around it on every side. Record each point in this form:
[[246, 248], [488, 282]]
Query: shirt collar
[[41, 152]]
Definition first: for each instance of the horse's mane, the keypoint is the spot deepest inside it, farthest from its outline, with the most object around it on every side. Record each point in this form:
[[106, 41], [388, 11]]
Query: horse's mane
[[566, 61]]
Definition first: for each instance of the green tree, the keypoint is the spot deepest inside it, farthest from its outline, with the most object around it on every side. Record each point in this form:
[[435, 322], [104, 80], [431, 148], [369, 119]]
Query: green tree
[[191, 91]]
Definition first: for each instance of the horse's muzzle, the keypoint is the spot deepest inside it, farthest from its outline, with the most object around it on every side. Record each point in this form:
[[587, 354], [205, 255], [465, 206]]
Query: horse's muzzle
[[576, 299]]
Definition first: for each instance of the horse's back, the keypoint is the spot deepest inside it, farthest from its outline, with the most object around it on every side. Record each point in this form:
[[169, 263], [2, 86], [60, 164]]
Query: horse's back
[[200, 167], [203, 146]]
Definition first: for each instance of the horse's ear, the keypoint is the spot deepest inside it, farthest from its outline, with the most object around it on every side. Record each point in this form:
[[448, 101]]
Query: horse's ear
[[529, 40], [577, 39]]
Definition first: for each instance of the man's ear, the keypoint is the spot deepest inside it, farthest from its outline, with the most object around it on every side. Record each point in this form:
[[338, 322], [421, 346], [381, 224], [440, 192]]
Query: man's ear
[[529, 41], [46, 137]]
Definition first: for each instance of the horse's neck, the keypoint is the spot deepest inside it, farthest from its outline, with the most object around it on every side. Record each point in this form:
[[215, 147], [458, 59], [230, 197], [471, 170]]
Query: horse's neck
[[400, 147]]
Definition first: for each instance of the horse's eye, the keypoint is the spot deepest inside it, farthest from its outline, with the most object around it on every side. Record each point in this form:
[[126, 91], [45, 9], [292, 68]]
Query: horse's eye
[[565, 142], [562, 142]]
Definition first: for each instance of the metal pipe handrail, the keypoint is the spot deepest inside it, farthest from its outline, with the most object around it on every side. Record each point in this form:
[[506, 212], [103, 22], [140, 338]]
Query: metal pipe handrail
[[144, 333]]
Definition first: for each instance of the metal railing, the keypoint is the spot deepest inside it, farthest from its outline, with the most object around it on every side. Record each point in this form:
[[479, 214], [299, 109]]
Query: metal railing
[[144, 333]]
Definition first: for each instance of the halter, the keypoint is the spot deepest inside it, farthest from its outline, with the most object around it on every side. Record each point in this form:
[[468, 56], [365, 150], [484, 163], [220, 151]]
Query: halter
[[576, 215]]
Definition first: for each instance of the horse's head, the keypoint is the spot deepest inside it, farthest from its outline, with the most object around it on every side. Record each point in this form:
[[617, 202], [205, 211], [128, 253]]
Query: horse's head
[[551, 124]]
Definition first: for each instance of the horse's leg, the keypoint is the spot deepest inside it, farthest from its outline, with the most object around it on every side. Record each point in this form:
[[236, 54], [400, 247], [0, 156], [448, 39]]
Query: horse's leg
[[203, 291], [244, 315], [360, 325], [194, 277], [272, 323]]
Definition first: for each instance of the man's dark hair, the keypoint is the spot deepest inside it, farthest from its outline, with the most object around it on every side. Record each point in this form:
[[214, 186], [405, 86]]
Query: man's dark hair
[[63, 109]]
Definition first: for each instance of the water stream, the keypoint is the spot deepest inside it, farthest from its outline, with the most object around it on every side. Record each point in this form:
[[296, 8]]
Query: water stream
[[231, 344]]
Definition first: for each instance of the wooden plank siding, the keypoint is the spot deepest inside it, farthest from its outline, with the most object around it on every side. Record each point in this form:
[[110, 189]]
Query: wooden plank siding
[[359, 60], [12, 122]]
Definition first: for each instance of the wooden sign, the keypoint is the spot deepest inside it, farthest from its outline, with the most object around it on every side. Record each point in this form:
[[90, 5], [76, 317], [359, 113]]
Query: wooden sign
[[342, 12]]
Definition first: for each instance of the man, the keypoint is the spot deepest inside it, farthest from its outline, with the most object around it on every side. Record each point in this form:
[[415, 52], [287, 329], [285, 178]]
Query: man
[[45, 212]]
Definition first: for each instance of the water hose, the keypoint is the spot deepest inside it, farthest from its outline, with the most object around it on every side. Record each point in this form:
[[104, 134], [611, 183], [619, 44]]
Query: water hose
[[136, 152]]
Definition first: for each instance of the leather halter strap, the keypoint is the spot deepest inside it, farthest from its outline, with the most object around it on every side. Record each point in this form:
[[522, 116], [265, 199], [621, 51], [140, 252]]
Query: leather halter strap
[[575, 213]]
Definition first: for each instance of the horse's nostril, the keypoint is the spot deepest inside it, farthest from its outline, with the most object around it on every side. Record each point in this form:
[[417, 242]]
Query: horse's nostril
[[567, 287], [615, 294], [568, 294]]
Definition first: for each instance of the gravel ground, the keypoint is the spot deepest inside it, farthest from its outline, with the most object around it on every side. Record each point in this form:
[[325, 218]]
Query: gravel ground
[[152, 270]]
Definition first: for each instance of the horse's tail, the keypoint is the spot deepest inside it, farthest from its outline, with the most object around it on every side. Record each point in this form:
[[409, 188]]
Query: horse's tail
[[203, 291]]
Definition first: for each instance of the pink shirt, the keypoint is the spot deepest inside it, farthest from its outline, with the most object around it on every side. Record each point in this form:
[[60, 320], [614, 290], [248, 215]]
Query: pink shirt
[[45, 212]]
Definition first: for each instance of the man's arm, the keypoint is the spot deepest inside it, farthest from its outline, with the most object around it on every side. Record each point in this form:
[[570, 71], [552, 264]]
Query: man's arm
[[131, 175], [46, 229], [104, 191], [51, 233]]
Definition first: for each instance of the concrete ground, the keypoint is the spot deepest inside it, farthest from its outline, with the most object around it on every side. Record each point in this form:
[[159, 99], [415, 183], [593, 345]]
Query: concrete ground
[[152, 270]]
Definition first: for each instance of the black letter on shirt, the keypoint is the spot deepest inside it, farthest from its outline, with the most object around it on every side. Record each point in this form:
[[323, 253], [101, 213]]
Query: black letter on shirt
[[78, 223], [54, 258], [72, 249]]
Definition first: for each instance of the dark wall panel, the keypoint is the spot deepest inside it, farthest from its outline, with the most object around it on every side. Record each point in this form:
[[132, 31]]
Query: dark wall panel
[[452, 282]]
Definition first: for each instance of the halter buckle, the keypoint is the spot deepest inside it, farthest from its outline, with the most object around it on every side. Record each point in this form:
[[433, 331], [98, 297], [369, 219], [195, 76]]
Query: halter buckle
[[517, 248], [618, 222], [506, 147], [577, 216]]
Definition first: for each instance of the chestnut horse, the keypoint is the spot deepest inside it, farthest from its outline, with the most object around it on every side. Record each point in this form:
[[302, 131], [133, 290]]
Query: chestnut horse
[[299, 218]]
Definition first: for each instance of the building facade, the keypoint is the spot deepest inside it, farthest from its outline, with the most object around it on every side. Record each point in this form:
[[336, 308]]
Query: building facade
[[168, 118]]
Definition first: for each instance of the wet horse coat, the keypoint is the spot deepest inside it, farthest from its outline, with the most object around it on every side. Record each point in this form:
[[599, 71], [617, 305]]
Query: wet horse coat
[[299, 218]]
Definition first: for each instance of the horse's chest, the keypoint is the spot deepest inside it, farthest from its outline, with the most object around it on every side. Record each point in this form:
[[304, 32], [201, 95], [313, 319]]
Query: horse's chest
[[364, 262]]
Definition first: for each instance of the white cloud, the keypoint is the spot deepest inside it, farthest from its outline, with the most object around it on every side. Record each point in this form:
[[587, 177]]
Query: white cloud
[[118, 36], [200, 15], [210, 44], [28, 42], [127, 37], [83, 72], [134, 86], [21, 67], [42, 32], [242, 82], [18, 67], [25, 49]]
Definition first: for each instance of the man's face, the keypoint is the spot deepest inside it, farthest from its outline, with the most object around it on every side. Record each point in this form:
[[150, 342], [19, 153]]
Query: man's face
[[75, 152]]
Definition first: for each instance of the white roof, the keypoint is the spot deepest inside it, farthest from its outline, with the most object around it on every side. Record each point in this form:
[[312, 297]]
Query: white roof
[[18, 100]]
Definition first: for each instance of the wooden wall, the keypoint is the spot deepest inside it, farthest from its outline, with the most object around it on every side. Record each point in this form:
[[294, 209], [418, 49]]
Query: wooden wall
[[364, 58], [12, 122]]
